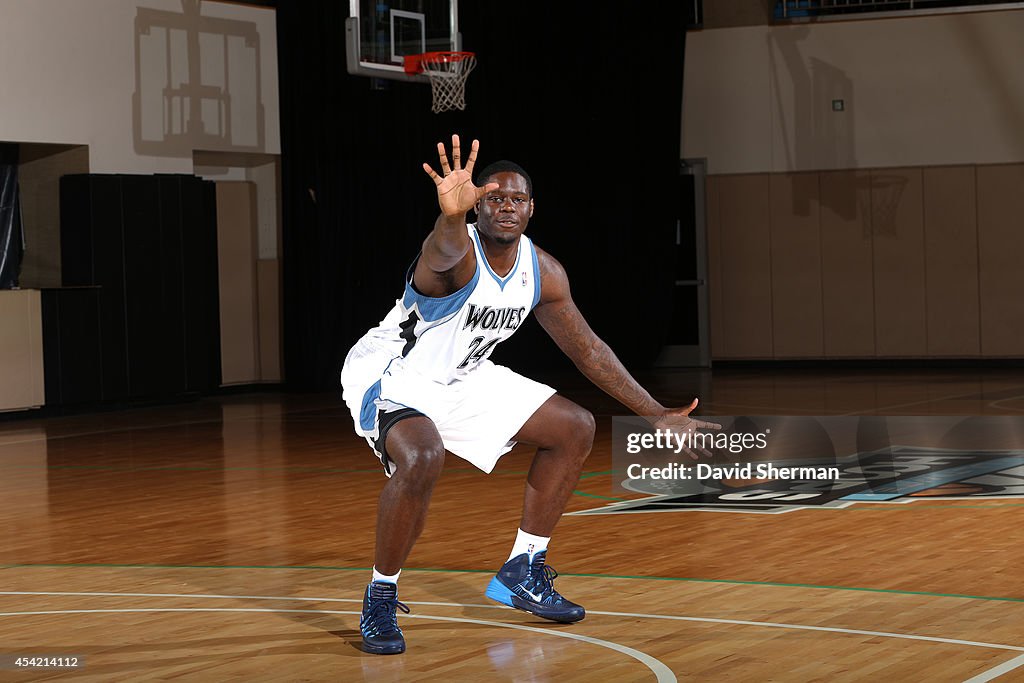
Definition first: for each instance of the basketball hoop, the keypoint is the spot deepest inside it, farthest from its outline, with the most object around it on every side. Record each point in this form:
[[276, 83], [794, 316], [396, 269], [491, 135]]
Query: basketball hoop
[[447, 72], [879, 198]]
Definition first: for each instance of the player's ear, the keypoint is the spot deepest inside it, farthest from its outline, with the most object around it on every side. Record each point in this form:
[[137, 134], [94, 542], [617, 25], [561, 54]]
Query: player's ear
[[531, 209]]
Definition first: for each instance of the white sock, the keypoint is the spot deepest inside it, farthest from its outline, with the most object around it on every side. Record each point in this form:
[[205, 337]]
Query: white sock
[[529, 544], [377, 576]]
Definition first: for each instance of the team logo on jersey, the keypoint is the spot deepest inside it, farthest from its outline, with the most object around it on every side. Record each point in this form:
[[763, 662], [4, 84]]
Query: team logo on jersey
[[487, 318], [898, 474]]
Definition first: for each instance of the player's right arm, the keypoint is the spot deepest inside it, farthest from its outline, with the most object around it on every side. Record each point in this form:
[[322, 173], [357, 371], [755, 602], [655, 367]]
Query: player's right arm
[[447, 261]]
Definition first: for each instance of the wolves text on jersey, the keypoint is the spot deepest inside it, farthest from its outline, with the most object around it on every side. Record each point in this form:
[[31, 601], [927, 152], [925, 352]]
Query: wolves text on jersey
[[488, 318]]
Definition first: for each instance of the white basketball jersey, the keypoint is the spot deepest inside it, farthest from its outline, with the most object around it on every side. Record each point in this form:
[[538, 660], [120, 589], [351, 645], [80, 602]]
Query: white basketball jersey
[[445, 338]]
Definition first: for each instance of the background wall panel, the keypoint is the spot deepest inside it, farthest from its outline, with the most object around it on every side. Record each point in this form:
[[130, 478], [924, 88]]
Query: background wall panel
[[145, 319], [71, 345], [746, 316], [847, 281], [795, 265], [148, 244], [268, 273], [1000, 259], [715, 284], [199, 265], [951, 258], [237, 252], [897, 229], [21, 350], [171, 269]]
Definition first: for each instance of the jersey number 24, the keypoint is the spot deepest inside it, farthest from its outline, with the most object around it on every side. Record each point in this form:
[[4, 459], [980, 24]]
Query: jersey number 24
[[477, 351]]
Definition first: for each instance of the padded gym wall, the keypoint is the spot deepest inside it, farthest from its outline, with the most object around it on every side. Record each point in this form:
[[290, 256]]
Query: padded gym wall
[[148, 243]]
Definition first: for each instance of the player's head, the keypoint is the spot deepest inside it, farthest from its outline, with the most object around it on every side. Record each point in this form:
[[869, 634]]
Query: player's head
[[502, 213], [502, 166]]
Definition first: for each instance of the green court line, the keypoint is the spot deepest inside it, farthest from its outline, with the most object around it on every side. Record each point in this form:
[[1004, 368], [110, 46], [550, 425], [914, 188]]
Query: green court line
[[773, 584], [587, 475], [594, 495]]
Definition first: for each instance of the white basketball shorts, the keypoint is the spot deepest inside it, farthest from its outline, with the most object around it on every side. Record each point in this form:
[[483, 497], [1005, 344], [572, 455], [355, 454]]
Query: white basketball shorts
[[476, 416]]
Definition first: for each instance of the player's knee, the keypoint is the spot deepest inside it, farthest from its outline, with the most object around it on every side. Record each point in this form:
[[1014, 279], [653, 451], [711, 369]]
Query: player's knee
[[422, 463], [581, 426]]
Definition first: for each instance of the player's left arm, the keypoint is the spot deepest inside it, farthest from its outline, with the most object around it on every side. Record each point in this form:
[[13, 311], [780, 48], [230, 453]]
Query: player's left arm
[[562, 320]]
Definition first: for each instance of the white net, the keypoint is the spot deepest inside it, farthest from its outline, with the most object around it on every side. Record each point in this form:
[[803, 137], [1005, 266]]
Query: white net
[[448, 72], [879, 197]]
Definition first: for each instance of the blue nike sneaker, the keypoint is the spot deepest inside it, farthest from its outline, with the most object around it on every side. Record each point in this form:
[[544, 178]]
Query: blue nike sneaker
[[379, 623], [527, 586]]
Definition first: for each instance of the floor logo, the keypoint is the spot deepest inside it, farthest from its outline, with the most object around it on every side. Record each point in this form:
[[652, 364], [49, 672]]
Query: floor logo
[[898, 474]]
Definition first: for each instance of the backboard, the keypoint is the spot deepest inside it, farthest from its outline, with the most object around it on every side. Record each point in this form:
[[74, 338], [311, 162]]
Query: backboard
[[379, 33]]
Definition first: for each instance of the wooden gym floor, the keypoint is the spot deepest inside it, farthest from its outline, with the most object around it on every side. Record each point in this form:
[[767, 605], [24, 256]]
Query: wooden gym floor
[[230, 539]]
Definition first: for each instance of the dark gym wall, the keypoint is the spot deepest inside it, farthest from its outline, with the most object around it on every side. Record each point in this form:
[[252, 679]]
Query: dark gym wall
[[587, 100], [138, 317]]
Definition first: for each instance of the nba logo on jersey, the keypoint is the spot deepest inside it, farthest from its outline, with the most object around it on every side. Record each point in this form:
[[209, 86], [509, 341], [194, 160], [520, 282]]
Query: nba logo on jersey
[[524, 278]]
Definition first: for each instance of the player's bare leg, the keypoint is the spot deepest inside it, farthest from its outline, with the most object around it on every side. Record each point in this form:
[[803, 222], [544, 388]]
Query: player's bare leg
[[417, 453], [415, 448], [563, 433]]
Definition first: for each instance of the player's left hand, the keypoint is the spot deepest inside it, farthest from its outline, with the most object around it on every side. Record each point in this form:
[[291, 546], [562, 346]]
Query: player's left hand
[[678, 420]]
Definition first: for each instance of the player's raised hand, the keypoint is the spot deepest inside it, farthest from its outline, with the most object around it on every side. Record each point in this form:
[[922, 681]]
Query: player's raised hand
[[678, 420], [456, 193]]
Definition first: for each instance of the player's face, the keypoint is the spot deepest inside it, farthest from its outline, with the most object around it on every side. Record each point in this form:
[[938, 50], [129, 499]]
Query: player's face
[[502, 214]]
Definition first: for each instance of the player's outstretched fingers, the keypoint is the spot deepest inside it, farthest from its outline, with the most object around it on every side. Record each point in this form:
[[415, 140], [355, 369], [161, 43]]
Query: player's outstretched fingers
[[700, 424], [471, 162], [443, 156], [481, 191], [433, 174], [456, 153], [700, 452]]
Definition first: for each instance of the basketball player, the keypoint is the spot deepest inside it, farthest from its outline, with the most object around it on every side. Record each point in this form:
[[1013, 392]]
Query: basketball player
[[420, 383]]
